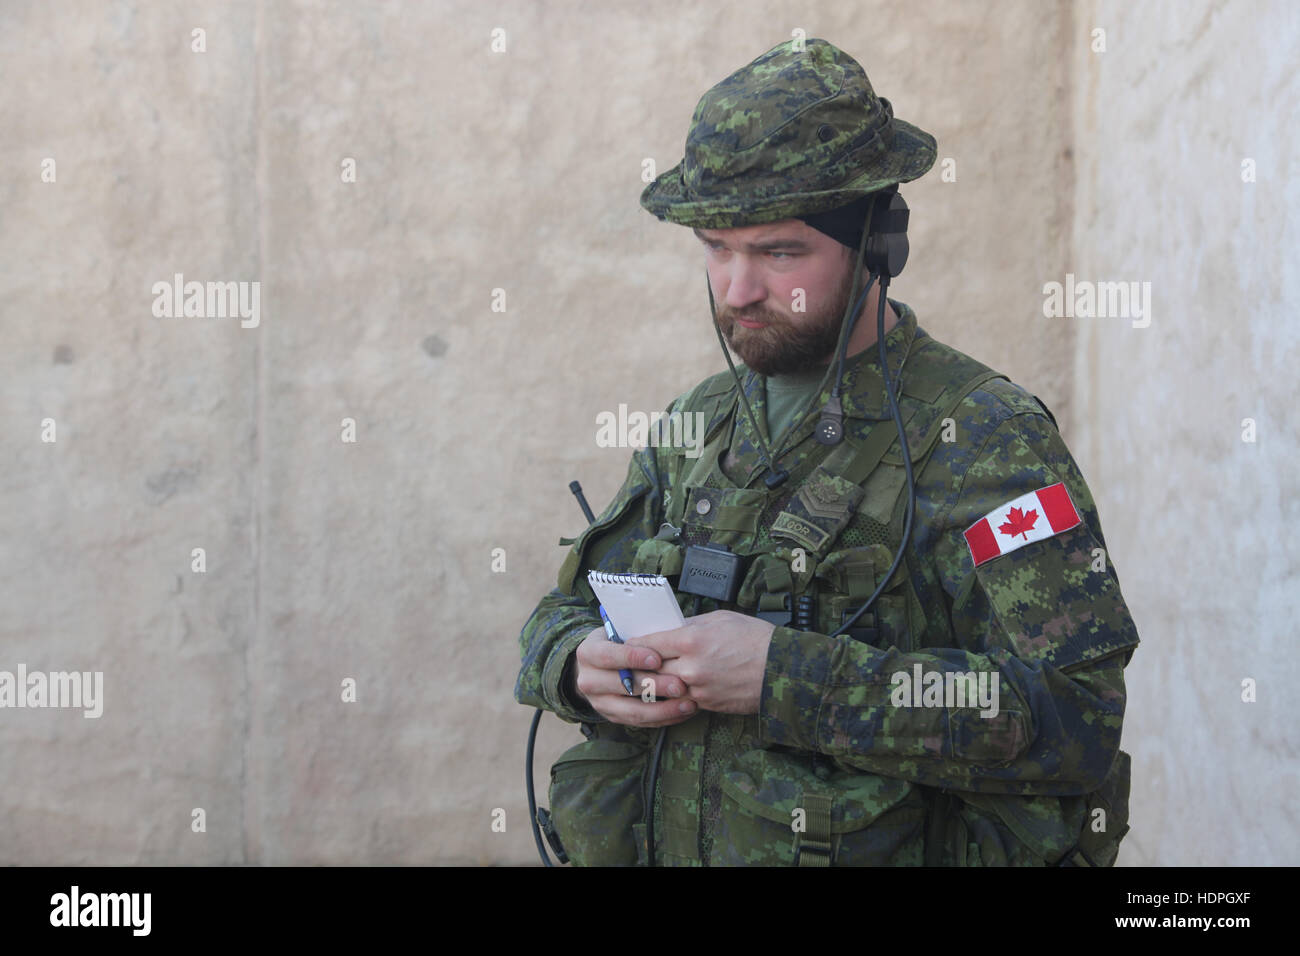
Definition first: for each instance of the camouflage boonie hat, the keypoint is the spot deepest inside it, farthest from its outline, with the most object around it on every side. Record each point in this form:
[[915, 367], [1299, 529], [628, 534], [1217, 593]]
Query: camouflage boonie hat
[[792, 133]]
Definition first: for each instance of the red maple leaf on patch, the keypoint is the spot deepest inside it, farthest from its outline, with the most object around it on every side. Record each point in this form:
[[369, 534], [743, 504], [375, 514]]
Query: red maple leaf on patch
[[1018, 523]]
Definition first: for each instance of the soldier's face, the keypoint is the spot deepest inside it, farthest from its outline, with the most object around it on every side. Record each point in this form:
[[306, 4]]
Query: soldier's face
[[781, 290]]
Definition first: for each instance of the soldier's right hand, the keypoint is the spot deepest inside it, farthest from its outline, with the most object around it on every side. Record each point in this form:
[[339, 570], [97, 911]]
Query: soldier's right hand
[[596, 665]]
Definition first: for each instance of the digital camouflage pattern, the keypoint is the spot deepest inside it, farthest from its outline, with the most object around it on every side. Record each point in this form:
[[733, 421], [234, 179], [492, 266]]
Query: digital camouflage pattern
[[828, 745], [793, 133]]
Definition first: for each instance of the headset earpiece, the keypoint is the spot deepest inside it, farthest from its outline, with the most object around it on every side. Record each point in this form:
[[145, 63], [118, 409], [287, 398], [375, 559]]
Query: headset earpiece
[[887, 245]]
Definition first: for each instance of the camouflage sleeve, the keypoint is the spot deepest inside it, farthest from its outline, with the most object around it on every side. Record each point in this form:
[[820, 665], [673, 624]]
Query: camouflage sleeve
[[563, 619], [1044, 626]]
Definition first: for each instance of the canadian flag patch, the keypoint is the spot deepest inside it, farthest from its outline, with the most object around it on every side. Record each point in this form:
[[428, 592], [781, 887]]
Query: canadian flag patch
[[1021, 521]]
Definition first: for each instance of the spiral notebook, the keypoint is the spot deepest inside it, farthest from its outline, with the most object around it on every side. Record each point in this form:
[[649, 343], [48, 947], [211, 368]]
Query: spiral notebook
[[638, 604]]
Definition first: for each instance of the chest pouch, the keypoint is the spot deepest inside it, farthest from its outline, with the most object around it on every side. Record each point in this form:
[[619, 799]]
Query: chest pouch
[[848, 578], [774, 587], [659, 555], [716, 515]]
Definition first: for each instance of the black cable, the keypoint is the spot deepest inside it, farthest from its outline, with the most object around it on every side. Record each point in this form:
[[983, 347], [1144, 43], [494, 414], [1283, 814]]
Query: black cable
[[848, 334], [528, 784], [907, 459]]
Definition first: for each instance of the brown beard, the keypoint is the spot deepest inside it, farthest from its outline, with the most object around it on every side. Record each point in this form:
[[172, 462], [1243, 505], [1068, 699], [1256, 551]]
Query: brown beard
[[781, 348]]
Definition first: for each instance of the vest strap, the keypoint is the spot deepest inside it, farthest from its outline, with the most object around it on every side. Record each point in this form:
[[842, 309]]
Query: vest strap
[[859, 460], [679, 790], [814, 844]]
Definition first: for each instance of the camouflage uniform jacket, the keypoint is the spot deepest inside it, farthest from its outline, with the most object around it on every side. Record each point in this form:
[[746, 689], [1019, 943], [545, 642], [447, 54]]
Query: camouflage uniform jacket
[[832, 769]]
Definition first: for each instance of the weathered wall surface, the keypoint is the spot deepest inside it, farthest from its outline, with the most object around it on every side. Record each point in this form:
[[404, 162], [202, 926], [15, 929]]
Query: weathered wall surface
[[328, 560], [1184, 129]]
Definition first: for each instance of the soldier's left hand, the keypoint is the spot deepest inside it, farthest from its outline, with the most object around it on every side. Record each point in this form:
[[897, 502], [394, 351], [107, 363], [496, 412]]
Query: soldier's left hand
[[720, 656]]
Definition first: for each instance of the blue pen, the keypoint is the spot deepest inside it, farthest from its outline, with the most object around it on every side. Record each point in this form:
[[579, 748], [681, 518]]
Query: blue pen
[[624, 675]]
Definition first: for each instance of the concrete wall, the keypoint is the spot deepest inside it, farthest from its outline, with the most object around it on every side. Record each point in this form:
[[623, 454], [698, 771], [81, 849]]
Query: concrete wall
[[372, 560], [1201, 523]]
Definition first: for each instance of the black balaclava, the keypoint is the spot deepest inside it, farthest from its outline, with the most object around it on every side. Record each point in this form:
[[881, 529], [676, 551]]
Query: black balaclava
[[844, 223]]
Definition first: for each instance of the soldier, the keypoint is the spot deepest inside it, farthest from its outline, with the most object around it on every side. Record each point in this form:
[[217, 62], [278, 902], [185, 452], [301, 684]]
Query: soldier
[[971, 714]]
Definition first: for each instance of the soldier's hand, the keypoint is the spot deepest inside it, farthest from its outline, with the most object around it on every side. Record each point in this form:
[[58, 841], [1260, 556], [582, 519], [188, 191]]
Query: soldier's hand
[[721, 656], [596, 665]]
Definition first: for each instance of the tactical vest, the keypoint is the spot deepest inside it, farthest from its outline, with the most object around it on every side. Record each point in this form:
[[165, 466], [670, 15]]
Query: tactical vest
[[828, 533]]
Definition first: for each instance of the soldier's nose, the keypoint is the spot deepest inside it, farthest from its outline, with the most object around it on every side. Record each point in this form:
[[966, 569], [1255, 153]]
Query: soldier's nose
[[744, 288]]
